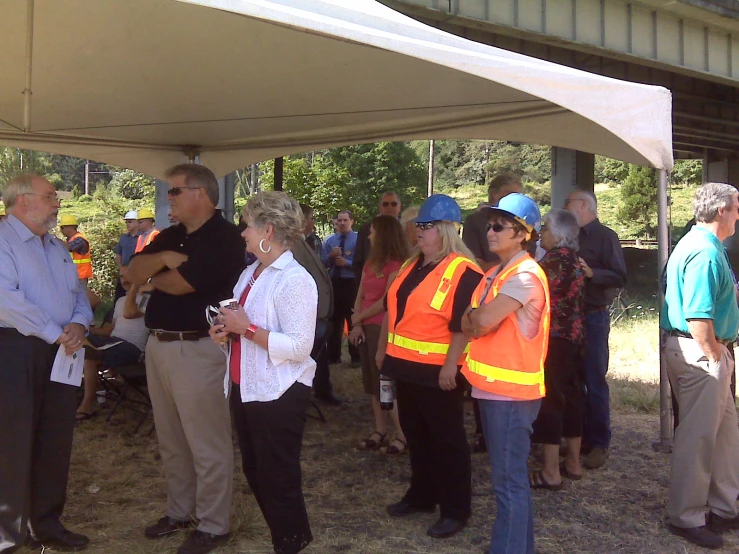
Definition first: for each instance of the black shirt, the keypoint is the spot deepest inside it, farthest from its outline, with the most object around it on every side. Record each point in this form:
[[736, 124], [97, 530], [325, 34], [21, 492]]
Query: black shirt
[[601, 250], [215, 261], [415, 372]]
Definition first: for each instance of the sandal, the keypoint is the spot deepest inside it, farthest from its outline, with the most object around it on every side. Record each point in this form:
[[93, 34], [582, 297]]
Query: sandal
[[564, 472], [370, 443], [393, 450], [537, 481]]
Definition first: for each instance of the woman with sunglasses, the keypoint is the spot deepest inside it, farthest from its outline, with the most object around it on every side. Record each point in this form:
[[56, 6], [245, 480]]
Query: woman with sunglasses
[[421, 347], [508, 324]]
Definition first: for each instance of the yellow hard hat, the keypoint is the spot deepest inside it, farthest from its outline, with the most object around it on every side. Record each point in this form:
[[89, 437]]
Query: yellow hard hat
[[67, 219], [2, 209], [145, 213]]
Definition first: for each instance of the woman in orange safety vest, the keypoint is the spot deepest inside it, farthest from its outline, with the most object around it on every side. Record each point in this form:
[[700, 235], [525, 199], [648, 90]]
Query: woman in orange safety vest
[[508, 323], [421, 347]]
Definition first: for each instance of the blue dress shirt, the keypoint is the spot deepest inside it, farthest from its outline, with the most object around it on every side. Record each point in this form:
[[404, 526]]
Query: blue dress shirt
[[350, 245], [39, 289], [126, 247]]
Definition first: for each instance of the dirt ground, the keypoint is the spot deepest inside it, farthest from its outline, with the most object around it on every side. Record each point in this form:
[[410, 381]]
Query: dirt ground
[[117, 488]]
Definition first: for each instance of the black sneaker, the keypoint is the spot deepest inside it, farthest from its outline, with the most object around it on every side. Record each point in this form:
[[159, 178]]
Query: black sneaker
[[165, 527], [200, 543], [718, 524], [66, 541]]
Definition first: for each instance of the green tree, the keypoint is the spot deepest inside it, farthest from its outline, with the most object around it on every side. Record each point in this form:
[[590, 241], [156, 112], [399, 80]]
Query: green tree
[[608, 170], [133, 185], [638, 207], [687, 172]]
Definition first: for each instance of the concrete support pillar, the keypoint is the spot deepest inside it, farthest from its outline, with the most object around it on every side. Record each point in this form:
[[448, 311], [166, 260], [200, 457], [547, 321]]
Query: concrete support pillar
[[162, 205], [570, 169]]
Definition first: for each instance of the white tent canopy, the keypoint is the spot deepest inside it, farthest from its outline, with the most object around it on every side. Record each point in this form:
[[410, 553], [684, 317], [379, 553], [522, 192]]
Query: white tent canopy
[[145, 84]]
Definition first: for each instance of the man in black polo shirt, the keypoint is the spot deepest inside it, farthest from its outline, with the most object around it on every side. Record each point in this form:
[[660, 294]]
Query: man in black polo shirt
[[602, 261], [191, 265]]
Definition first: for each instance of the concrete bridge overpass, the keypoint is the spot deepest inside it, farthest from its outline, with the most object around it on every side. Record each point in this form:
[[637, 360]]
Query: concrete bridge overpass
[[688, 46]]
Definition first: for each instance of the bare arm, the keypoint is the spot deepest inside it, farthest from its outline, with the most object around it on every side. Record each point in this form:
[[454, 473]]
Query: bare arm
[[448, 373], [130, 309], [486, 318], [149, 266], [704, 334], [357, 315]]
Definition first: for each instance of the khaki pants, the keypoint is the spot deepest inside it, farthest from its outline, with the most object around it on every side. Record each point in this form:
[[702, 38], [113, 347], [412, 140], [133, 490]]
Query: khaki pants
[[705, 455], [193, 424]]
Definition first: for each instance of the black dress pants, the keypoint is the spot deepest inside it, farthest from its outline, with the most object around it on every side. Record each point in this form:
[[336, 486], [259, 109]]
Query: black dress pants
[[562, 409], [344, 295], [36, 427], [322, 386], [270, 439], [433, 423]]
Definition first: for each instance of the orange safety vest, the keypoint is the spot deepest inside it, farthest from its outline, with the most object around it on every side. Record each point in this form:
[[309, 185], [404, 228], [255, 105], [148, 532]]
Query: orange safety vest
[[422, 335], [82, 261], [145, 240], [504, 361]]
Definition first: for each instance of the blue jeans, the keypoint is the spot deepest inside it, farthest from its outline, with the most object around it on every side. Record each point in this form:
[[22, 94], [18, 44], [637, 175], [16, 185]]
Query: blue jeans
[[507, 429], [597, 432]]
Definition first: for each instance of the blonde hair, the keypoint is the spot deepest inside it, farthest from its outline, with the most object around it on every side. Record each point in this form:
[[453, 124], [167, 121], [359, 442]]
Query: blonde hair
[[408, 214], [450, 242], [18, 186], [279, 210]]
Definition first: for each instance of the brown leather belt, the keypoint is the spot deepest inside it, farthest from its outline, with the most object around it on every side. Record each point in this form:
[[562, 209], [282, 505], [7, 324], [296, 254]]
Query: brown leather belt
[[171, 336], [678, 333]]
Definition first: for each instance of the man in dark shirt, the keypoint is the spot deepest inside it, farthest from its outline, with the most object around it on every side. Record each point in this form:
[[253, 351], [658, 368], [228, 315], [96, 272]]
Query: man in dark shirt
[[475, 230], [126, 248], [602, 261], [191, 265], [389, 205]]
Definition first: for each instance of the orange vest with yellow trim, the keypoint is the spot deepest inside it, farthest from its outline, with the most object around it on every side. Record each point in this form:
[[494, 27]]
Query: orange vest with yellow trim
[[82, 261], [422, 335], [145, 240], [504, 361]]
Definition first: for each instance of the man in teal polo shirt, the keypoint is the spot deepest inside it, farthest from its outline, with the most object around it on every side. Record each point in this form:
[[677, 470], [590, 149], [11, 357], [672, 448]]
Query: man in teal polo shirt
[[701, 318]]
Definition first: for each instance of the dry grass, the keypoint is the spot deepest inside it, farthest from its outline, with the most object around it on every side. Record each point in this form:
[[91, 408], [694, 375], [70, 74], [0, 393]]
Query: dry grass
[[117, 485]]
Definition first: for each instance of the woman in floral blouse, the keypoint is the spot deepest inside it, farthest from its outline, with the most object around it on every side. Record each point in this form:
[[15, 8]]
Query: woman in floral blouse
[[561, 413]]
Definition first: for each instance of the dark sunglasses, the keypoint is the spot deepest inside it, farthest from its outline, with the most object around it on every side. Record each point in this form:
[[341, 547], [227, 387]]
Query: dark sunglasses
[[497, 227], [176, 191], [394, 204], [426, 226]]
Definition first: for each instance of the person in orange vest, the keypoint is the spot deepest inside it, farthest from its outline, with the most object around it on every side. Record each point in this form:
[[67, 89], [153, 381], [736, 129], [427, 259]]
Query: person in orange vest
[[147, 232], [508, 324], [78, 246], [421, 347], [3, 215]]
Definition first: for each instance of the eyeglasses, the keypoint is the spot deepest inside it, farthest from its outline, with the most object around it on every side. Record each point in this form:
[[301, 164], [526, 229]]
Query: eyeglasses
[[176, 191], [426, 226], [394, 204], [50, 197], [497, 227]]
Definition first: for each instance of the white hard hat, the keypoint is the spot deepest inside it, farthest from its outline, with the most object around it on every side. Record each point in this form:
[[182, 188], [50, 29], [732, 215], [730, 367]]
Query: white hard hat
[[131, 215]]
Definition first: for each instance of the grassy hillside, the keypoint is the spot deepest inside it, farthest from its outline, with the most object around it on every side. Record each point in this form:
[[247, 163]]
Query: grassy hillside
[[608, 203]]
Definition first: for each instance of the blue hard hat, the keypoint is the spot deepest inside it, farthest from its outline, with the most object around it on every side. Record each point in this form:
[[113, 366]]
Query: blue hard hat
[[521, 208], [439, 207]]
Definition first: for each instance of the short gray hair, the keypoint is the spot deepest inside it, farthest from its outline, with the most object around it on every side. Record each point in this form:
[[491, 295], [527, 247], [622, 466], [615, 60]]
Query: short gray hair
[[279, 210], [408, 214], [564, 228], [709, 198], [590, 199], [18, 186], [197, 175]]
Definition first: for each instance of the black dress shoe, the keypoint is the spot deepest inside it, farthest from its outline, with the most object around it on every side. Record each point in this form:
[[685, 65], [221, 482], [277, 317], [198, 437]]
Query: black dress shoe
[[718, 524], [200, 543], [702, 536], [329, 399], [165, 527], [402, 508], [66, 541], [445, 527]]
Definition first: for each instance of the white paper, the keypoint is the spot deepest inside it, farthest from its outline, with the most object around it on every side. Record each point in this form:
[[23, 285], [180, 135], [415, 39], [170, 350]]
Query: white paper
[[67, 369]]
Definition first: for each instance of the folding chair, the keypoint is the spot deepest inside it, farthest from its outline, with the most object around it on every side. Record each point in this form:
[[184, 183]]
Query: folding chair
[[133, 394]]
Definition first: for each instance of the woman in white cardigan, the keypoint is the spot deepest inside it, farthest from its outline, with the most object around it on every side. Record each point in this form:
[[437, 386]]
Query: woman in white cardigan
[[271, 336]]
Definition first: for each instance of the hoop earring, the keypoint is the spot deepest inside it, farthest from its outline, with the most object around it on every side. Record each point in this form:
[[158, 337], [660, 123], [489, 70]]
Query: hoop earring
[[261, 247]]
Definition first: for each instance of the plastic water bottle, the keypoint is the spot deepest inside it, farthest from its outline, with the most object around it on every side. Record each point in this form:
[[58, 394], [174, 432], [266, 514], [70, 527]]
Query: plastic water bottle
[[387, 392]]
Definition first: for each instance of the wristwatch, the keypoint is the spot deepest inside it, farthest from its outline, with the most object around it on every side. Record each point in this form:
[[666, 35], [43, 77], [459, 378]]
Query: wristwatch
[[249, 333]]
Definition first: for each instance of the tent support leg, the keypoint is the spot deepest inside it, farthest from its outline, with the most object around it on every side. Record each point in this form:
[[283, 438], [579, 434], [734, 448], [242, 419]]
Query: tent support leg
[[663, 241], [29, 67]]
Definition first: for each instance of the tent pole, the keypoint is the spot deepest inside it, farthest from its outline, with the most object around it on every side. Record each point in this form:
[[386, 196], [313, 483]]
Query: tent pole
[[663, 250], [278, 173], [29, 67]]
